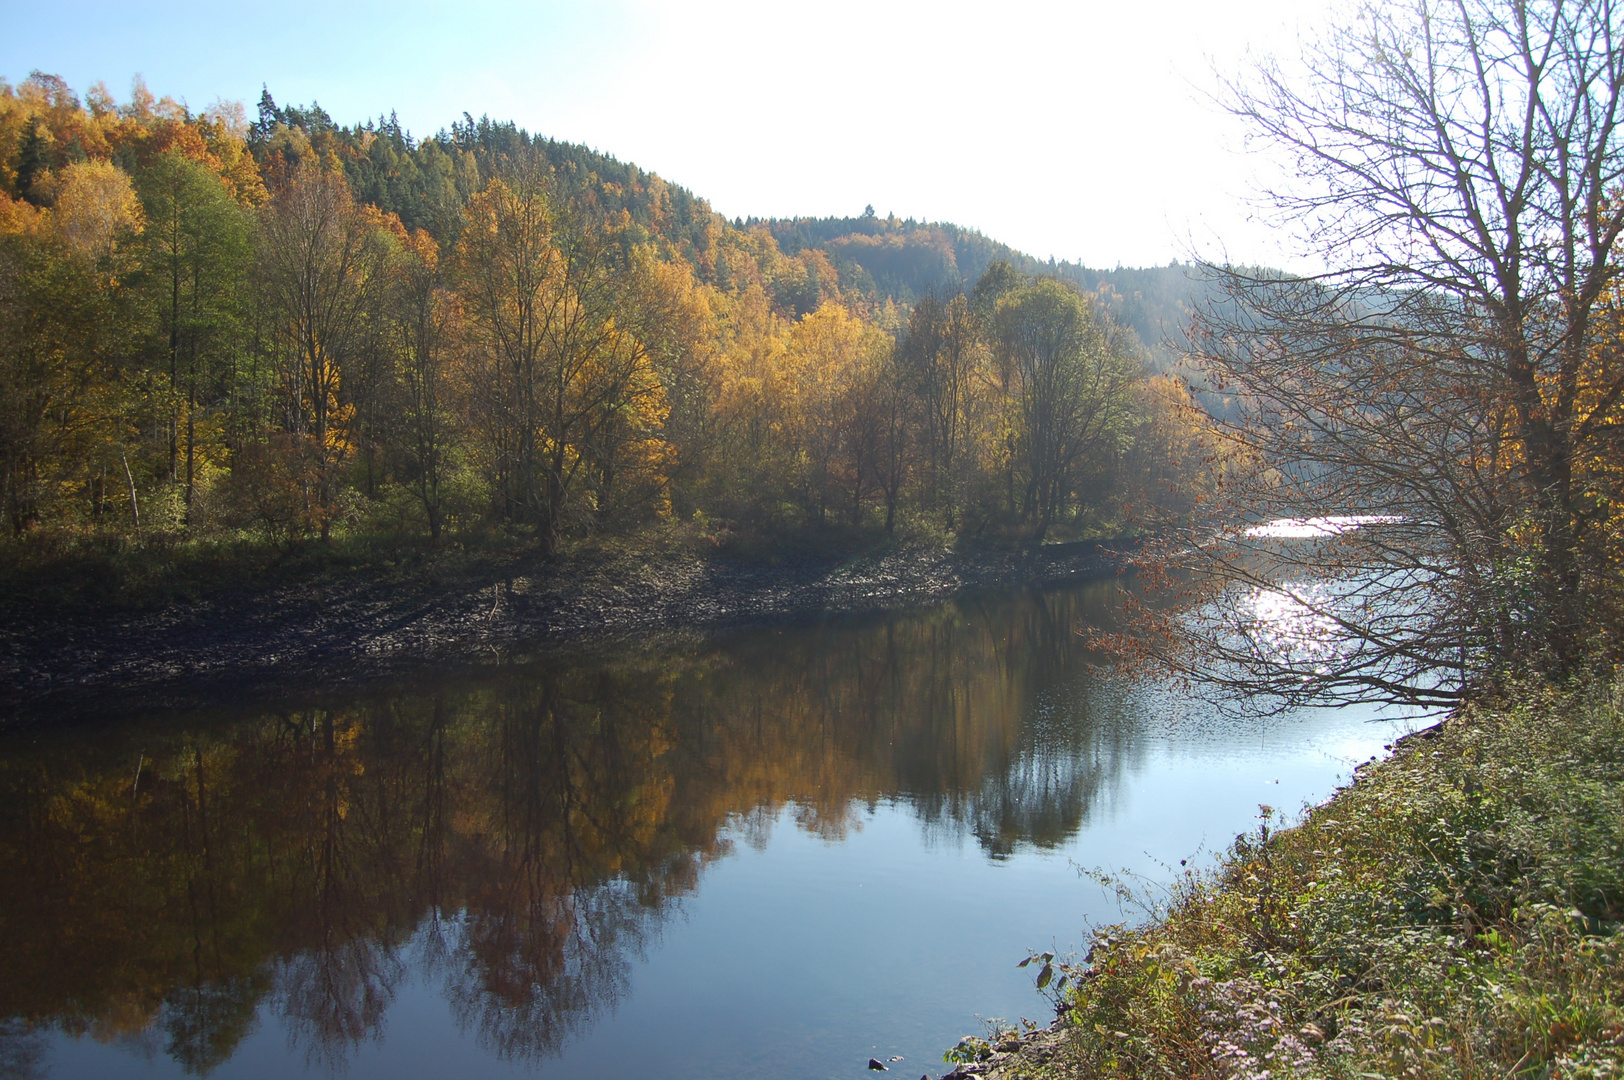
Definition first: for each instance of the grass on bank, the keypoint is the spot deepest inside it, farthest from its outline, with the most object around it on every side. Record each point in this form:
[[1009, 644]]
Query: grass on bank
[[1453, 913], [156, 569], [111, 570]]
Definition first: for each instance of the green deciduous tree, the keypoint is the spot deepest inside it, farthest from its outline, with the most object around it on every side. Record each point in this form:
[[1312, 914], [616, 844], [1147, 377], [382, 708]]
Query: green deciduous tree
[[1067, 374], [198, 249]]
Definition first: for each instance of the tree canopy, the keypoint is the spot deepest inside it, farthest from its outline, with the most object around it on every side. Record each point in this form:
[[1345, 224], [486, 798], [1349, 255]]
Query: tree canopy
[[288, 328]]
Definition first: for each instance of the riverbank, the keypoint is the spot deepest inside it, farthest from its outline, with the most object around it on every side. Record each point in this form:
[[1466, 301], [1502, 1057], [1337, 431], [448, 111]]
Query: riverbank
[[1455, 912], [364, 624]]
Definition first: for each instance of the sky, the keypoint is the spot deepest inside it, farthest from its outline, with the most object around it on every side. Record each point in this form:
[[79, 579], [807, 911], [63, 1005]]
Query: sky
[[1082, 130]]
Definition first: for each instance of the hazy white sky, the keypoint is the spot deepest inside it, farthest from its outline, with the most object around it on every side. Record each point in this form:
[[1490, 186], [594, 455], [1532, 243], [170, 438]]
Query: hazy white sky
[[1080, 130]]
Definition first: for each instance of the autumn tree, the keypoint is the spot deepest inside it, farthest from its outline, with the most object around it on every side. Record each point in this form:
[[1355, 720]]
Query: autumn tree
[[1174, 460], [750, 474], [508, 274], [422, 316], [68, 327], [942, 361], [1457, 168], [568, 389], [830, 359], [321, 262], [680, 322], [880, 438]]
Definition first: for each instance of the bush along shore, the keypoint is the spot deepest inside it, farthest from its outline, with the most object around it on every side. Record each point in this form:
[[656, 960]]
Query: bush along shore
[[1454, 912]]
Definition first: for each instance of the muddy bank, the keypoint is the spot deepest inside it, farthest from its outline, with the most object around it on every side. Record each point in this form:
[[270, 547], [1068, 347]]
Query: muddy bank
[[82, 665]]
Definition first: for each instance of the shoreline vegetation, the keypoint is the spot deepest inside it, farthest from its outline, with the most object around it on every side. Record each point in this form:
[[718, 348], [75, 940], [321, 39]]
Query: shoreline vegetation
[[1454, 911]]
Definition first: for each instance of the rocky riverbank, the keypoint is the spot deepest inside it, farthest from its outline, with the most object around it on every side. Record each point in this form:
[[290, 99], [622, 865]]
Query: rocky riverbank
[[365, 627], [1009, 1057]]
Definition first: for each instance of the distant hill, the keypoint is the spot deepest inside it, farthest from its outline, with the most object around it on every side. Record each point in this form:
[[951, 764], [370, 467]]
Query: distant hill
[[874, 259], [904, 259]]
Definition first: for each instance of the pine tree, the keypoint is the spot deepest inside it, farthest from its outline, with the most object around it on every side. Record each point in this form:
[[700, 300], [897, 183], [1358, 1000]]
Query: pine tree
[[33, 159]]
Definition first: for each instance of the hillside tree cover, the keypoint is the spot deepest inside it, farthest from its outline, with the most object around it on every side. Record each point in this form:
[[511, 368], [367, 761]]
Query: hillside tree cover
[[288, 329]]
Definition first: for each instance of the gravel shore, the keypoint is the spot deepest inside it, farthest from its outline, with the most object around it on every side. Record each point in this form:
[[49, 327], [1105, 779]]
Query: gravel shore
[[361, 628]]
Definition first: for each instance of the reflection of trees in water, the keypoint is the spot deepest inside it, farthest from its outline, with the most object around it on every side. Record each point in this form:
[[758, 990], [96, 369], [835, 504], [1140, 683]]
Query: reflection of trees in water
[[204, 1021], [563, 891], [522, 839], [1060, 739], [531, 979], [22, 1051], [333, 997], [334, 991], [1074, 751]]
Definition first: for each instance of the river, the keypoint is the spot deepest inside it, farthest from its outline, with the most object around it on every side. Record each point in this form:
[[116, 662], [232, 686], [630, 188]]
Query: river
[[775, 854]]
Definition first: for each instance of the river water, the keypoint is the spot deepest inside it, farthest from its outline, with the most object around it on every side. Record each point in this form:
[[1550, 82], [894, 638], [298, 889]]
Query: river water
[[777, 854]]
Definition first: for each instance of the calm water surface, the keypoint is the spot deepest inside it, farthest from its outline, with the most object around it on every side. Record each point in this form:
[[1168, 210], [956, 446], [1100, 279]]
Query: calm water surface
[[775, 855]]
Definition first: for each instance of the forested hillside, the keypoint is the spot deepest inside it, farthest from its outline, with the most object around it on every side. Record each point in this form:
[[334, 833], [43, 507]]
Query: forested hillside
[[287, 329], [907, 259]]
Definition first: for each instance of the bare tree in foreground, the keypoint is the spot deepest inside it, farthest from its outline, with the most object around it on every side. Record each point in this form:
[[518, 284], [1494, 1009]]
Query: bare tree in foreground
[[1455, 376]]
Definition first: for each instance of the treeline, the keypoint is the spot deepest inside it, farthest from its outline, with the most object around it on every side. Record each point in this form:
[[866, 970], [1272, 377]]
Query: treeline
[[292, 327]]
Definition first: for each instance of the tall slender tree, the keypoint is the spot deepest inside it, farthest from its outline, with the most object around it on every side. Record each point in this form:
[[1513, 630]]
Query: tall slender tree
[[1069, 374], [198, 247], [321, 260]]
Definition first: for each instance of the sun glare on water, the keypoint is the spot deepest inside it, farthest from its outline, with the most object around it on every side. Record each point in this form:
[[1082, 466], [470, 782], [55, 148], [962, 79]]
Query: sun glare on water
[[1291, 626], [1309, 528]]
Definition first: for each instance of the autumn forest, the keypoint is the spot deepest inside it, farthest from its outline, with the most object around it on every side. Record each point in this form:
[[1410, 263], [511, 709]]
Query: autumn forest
[[279, 330]]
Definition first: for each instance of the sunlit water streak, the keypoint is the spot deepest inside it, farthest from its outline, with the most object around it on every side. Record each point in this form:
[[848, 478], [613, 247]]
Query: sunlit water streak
[[1307, 623], [1317, 527], [1294, 624]]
